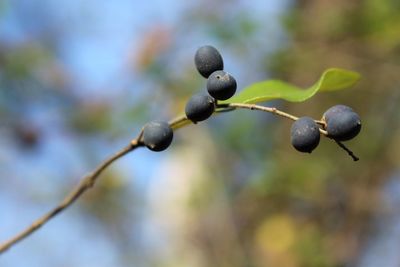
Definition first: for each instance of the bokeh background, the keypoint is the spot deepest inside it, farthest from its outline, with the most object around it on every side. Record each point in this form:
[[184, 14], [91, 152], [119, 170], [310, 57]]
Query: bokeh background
[[78, 79]]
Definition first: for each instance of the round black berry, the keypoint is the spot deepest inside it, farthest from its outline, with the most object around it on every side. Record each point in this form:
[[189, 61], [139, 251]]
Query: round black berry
[[199, 107], [157, 135], [207, 60], [305, 134], [342, 123], [221, 85]]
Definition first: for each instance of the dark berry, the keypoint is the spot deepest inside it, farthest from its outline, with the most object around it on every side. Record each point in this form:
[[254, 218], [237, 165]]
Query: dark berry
[[305, 134], [342, 123], [208, 60], [221, 85], [199, 107], [157, 135]]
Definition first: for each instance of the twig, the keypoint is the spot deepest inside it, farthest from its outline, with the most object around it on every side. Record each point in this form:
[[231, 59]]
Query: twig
[[232, 106], [179, 122], [263, 108], [351, 154], [86, 183]]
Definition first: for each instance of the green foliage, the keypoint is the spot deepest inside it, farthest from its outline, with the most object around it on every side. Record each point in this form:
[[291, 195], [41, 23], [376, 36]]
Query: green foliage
[[332, 79]]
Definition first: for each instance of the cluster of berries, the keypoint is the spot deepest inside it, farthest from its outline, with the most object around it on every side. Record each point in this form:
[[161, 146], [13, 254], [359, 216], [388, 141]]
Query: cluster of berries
[[340, 122], [157, 136], [220, 84]]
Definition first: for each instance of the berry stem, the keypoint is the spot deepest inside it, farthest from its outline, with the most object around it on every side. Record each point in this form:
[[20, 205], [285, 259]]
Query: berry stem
[[320, 122], [351, 154]]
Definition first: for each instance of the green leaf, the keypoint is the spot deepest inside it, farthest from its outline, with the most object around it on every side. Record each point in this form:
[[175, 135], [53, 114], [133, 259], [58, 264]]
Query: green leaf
[[331, 80]]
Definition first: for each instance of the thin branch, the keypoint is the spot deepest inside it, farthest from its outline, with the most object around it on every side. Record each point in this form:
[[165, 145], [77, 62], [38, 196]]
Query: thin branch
[[263, 108], [232, 106], [182, 120], [179, 122], [345, 148], [86, 183], [321, 122]]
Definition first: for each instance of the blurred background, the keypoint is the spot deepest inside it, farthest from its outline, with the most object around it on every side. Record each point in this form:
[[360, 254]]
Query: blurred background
[[78, 79]]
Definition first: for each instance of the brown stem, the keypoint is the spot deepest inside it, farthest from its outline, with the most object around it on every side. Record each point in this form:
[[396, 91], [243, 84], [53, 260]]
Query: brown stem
[[263, 108], [86, 183], [270, 110], [345, 148], [179, 122]]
